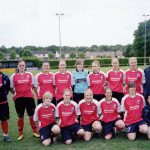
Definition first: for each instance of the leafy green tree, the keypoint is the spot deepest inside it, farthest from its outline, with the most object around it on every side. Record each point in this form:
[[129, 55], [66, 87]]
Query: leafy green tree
[[51, 55], [1, 55], [72, 55], [82, 55], [138, 43], [12, 55], [27, 53], [63, 56]]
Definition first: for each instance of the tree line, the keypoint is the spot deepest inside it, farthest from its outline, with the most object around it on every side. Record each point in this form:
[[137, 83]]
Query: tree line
[[134, 49]]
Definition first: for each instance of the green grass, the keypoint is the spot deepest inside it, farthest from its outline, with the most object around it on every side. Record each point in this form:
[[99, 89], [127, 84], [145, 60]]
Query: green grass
[[31, 143]]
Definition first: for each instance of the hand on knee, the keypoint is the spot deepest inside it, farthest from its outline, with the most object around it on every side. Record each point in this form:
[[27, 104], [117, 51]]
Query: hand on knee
[[68, 142], [46, 142]]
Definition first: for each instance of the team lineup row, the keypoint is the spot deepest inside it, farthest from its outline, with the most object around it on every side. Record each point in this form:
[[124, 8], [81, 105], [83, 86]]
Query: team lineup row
[[115, 81]]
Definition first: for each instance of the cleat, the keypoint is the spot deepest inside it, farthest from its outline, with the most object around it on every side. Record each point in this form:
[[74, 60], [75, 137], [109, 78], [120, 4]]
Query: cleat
[[36, 135], [6, 139], [20, 137]]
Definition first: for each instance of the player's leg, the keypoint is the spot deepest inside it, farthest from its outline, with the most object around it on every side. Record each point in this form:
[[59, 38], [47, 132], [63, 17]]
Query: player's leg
[[87, 132], [66, 135], [30, 107], [148, 135], [143, 127], [45, 135], [55, 129], [20, 109], [131, 131], [4, 116]]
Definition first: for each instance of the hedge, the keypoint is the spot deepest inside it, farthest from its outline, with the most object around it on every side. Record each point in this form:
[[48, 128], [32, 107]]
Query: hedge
[[36, 62]]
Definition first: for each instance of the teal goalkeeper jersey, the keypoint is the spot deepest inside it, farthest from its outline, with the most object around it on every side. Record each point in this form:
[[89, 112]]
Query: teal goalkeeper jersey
[[80, 81]]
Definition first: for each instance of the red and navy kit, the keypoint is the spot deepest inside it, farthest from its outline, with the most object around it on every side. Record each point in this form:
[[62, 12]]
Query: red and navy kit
[[132, 106], [115, 80], [88, 112], [22, 85], [62, 81], [67, 113], [137, 76], [96, 82], [109, 110], [44, 115], [44, 83]]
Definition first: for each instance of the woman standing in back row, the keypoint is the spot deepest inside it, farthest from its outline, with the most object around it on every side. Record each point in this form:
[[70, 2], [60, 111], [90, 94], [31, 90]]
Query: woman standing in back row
[[115, 79], [21, 84], [79, 81]]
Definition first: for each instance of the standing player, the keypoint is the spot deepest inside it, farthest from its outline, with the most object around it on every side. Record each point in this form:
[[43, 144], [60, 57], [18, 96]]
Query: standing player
[[88, 112], [79, 81], [147, 83], [146, 115], [134, 74], [67, 115], [109, 109], [21, 84], [97, 81], [44, 117], [63, 80], [4, 107], [115, 78], [132, 104], [44, 82]]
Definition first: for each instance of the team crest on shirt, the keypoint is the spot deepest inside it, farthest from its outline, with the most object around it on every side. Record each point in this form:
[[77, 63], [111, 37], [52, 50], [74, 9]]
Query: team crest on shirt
[[67, 76], [102, 78], [114, 106], [28, 76], [94, 107], [120, 75], [53, 110], [138, 101], [72, 109], [138, 75]]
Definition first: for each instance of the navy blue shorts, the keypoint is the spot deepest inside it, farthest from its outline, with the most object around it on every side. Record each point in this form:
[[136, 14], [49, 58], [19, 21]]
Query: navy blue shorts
[[98, 97], [108, 126], [87, 127], [77, 97], [45, 132], [133, 128], [67, 132], [4, 112]]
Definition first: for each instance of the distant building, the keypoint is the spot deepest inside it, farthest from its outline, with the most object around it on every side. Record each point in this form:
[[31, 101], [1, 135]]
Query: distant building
[[96, 54], [41, 54]]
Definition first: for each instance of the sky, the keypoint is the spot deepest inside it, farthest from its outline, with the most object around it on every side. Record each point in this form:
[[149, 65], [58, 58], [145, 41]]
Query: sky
[[84, 23]]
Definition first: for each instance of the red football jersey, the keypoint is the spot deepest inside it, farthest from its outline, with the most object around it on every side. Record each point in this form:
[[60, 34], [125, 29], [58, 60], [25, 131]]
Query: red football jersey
[[115, 80], [22, 84], [88, 112], [96, 82], [62, 81], [136, 76], [44, 83], [132, 106], [67, 114], [44, 115], [109, 110]]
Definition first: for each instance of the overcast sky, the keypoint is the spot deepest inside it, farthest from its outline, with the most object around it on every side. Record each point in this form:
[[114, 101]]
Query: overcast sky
[[85, 22]]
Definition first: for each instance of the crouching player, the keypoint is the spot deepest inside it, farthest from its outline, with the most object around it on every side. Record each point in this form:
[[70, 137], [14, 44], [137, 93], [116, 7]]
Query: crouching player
[[146, 115], [109, 109], [88, 112], [44, 117], [67, 116], [132, 104]]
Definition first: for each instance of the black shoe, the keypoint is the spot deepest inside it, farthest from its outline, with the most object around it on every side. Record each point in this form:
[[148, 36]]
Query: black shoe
[[6, 139]]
